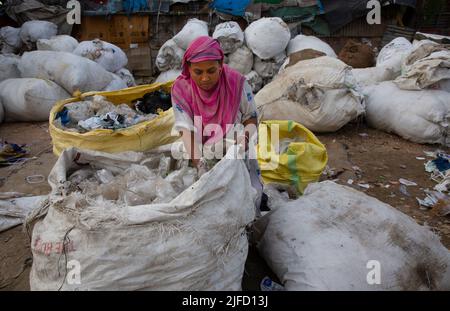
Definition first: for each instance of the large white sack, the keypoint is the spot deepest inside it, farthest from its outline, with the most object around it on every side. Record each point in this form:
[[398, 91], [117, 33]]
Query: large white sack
[[255, 81], [230, 36], [332, 236], [126, 76], [10, 40], [32, 31], [9, 66], [169, 75], [427, 65], [193, 29], [241, 60], [116, 84], [108, 55], [419, 116], [393, 54], [29, 99], [13, 212], [61, 43], [319, 93], [267, 37], [195, 242], [72, 72], [373, 75], [269, 68], [170, 56], [302, 42]]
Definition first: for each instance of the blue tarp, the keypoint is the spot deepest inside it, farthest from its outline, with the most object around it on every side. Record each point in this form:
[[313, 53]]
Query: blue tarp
[[236, 7], [131, 6]]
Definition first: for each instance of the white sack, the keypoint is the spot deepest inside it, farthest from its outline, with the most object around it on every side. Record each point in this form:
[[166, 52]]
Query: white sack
[[373, 75], [8, 66], [269, 68], [318, 93], [241, 60], [73, 72], [32, 31], [392, 54], [302, 42], [195, 242], [330, 237], [193, 29], [30, 99], [61, 43], [169, 56], [428, 64], [267, 37], [116, 84], [108, 55], [169, 75], [419, 116], [10, 40], [230, 36], [126, 76], [255, 81]]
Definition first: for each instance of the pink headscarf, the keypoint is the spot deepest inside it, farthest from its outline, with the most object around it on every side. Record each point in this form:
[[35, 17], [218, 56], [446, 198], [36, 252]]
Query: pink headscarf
[[217, 106]]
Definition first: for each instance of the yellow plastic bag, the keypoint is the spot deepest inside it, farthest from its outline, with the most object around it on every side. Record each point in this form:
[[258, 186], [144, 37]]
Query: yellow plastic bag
[[300, 159], [140, 137]]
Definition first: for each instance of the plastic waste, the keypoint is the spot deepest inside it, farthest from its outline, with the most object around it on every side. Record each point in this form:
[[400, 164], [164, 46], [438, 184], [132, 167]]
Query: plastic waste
[[268, 285]]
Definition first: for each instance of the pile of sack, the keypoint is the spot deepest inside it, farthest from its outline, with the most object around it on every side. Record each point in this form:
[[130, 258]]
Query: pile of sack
[[184, 232], [59, 67], [408, 92], [259, 52]]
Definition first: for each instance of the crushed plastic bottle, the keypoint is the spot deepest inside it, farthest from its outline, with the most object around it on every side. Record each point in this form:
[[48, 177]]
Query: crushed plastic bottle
[[268, 285]]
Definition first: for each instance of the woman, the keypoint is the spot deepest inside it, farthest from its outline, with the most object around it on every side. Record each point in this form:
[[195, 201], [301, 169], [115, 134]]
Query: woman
[[209, 94]]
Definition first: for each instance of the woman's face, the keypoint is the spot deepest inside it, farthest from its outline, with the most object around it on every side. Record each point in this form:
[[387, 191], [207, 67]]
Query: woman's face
[[206, 74]]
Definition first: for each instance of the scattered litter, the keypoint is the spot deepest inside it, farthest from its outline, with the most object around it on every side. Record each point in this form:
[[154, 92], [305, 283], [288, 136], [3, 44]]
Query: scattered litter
[[268, 285], [440, 170], [437, 201], [11, 153], [350, 181], [403, 166], [420, 158], [404, 191], [407, 182], [394, 182], [366, 186], [35, 179]]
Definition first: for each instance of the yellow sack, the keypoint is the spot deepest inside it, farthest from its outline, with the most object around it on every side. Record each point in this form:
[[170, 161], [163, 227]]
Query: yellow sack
[[302, 156], [140, 137]]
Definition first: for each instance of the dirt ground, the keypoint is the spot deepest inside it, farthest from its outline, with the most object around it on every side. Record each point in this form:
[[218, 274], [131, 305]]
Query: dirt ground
[[356, 152]]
